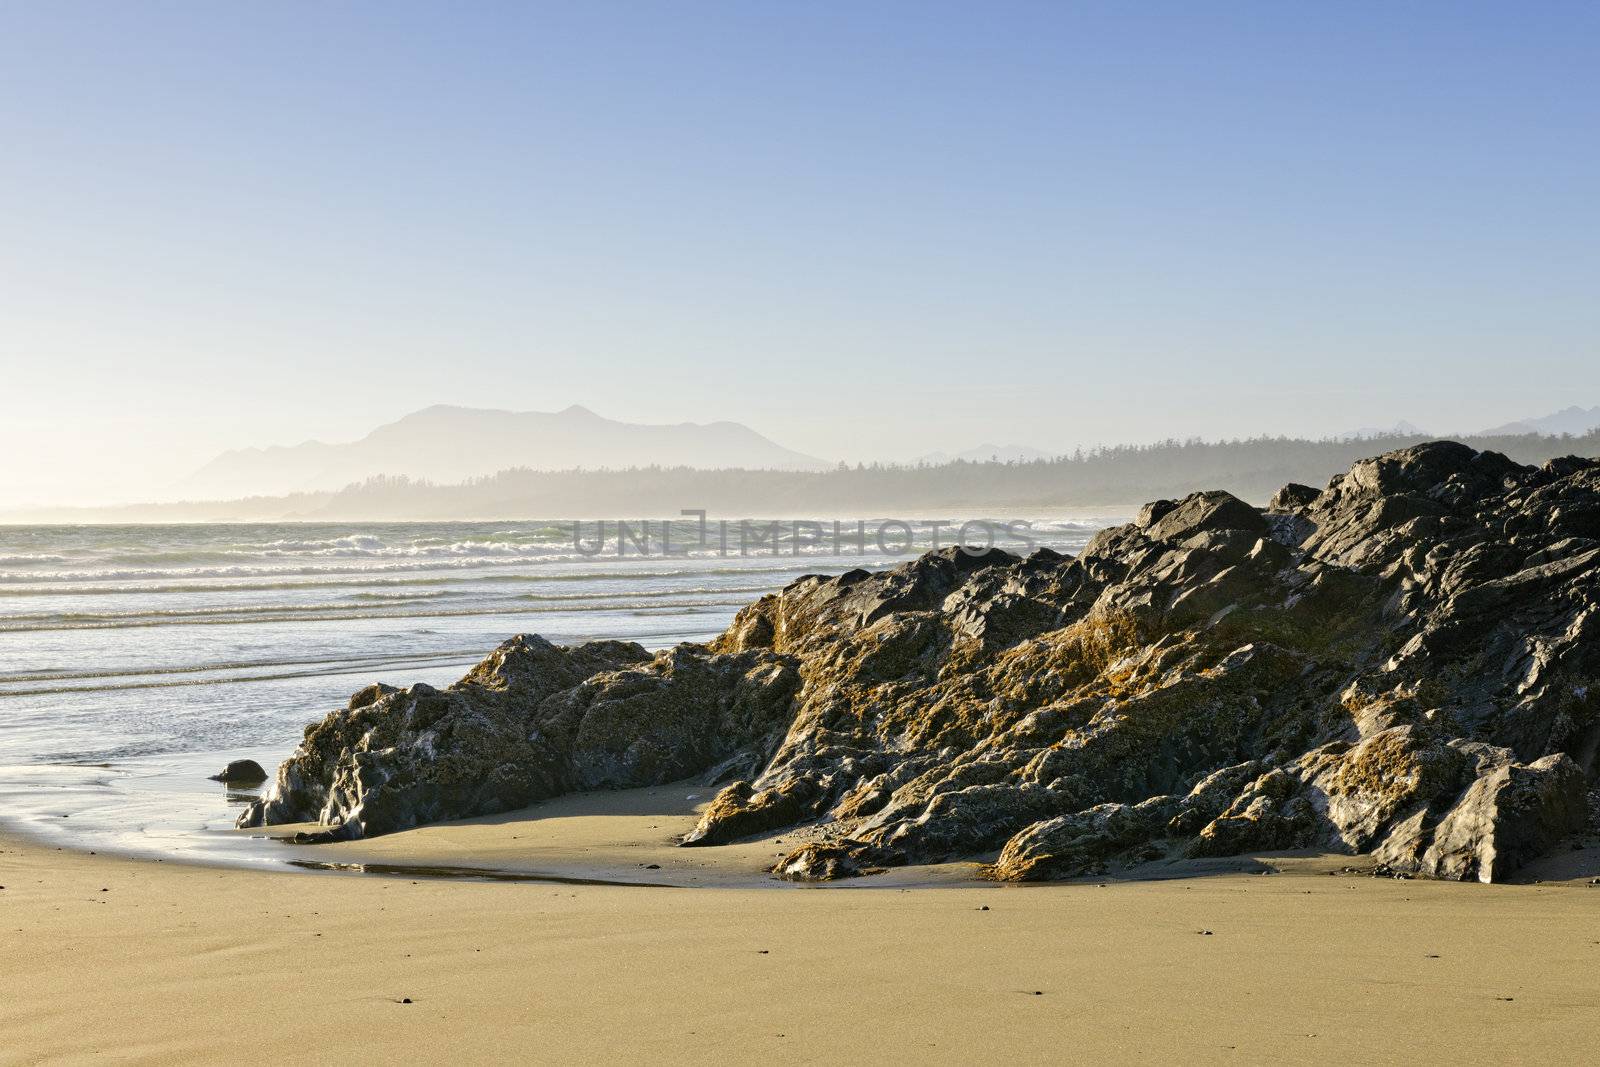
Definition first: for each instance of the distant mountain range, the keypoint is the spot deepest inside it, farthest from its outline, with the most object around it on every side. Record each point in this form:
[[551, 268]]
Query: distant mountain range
[[1574, 420], [453, 444], [1110, 480], [450, 445]]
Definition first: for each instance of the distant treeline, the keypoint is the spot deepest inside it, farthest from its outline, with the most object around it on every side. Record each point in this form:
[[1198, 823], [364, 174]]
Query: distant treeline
[[1122, 475]]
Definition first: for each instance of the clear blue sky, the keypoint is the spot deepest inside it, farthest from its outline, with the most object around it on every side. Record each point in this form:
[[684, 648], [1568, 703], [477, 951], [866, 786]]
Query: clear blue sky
[[864, 229]]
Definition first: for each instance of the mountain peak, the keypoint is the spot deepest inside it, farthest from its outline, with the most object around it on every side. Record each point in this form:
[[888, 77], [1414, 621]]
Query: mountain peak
[[447, 443], [1573, 419], [1403, 428]]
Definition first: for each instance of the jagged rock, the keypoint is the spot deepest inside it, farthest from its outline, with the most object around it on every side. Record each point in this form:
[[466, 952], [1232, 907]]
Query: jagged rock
[[1204, 512], [241, 772], [736, 813], [1269, 815], [1360, 789], [1075, 844], [1403, 663], [819, 863], [1292, 497], [1212, 796], [1509, 816], [530, 722]]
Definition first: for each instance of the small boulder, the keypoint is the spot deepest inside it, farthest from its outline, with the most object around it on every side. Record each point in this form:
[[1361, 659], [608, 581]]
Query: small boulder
[[819, 863], [241, 772]]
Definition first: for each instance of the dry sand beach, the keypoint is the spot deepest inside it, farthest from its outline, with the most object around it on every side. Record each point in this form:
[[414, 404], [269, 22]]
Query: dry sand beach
[[160, 961]]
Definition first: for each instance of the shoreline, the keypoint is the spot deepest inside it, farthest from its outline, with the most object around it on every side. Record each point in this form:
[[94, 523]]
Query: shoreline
[[607, 837], [629, 838]]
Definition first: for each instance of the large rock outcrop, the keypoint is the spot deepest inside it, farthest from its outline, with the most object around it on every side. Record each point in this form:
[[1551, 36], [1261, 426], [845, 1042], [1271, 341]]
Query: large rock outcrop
[[532, 721], [1401, 664]]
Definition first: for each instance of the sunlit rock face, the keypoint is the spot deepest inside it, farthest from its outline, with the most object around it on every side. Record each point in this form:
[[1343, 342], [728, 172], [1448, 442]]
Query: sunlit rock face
[[1402, 664]]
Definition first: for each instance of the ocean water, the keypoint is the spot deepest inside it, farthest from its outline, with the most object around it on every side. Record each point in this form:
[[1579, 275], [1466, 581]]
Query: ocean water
[[137, 660]]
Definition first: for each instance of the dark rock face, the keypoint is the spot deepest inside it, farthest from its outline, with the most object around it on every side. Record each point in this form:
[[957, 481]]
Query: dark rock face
[[1404, 664], [241, 772], [530, 722]]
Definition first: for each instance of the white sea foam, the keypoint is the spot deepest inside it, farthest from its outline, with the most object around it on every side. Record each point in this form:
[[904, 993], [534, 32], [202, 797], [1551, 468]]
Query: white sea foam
[[253, 570], [369, 546]]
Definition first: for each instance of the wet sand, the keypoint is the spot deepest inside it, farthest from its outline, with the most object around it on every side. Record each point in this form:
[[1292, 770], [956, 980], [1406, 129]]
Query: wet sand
[[139, 959], [628, 836]]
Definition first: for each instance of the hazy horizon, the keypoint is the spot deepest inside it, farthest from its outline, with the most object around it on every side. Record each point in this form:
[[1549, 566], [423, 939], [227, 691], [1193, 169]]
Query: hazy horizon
[[1100, 482], [603, 445], [918, 228]]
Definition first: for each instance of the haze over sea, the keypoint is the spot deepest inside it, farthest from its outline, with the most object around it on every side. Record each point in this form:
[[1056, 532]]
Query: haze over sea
[[137, 660]]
